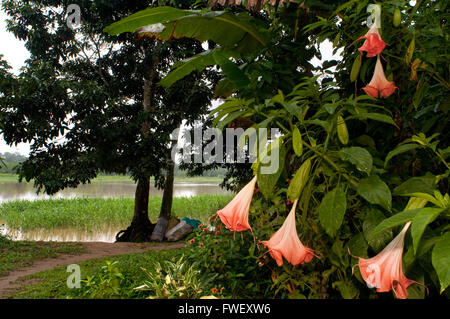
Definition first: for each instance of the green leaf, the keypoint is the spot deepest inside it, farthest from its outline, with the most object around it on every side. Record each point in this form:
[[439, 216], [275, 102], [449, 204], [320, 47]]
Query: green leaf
[[299, 181], [358, 156], [375, 191], [399, 150], [147, 17], [355, 68], [239, 32], [231, 70], [374, 116], [401, 218], [410, 51], [332, 210], [297, 142], [419, 222], [440, 258], [196, 63], [358, 245], [224, 88], [267, 182], [372, 219], [423, 184], [293, 109], [347, 289]]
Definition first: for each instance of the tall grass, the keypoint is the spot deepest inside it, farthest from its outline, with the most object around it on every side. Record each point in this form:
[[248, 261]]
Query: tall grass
[[91, 214]]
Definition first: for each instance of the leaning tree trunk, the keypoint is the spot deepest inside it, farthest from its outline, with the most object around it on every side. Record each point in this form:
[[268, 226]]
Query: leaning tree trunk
[[166, 206], [141, 228]]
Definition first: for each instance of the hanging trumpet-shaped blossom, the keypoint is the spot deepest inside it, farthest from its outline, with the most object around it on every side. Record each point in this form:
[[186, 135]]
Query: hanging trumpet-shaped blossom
[[373, 45], [379, 85], [384, 271], [235, 214], [285, 243]]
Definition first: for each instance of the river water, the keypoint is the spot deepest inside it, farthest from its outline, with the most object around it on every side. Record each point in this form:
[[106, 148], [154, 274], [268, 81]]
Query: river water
[[25, 191]]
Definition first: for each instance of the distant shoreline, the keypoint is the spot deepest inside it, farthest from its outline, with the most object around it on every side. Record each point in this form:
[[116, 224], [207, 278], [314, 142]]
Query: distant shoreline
[[8, 178]]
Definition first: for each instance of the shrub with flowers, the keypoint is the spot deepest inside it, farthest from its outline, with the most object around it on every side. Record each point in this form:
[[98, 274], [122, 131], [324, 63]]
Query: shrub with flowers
[[358, 205]]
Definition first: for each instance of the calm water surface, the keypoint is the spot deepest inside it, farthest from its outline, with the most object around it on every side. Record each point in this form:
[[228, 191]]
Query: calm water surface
[[25, 191]]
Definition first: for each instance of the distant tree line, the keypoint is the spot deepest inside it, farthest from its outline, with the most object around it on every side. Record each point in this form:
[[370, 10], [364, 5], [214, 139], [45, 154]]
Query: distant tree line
[[10, 162]]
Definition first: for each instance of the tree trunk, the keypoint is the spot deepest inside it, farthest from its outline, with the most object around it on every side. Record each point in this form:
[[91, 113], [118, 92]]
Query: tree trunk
[[166, 206], [141, 228]]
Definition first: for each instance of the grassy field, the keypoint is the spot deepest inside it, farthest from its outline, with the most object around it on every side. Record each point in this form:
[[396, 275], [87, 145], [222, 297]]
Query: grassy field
[[91, 214], [7, 178], [51, 284], [17, 254]]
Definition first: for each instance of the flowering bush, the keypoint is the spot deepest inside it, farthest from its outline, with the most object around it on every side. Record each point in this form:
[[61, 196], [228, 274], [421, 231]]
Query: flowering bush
[[363, 150]]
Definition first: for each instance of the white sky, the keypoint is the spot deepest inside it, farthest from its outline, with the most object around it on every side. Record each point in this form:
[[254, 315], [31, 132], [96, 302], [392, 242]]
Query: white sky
[[15, 54]]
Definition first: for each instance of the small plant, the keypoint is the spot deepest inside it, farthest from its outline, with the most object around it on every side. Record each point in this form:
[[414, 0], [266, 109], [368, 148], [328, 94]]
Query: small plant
[[174, 280], [103, 284]]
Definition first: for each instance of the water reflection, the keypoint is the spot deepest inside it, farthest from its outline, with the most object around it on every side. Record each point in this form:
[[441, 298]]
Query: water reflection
[[107, 234]]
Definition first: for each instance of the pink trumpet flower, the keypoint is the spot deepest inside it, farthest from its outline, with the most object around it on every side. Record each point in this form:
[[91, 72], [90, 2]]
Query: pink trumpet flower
[[285, 243], [235, 214], [384, 271], [373, 45], [379, 85]]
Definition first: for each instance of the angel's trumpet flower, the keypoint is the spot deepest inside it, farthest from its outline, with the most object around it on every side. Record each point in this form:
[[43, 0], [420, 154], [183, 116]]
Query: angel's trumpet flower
[[384, 271], [235, 214], [285, 243], [373, 45], [379, 85]]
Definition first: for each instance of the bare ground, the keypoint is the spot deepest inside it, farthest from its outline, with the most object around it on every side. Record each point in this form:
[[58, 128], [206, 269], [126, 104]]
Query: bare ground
[[94, 250]]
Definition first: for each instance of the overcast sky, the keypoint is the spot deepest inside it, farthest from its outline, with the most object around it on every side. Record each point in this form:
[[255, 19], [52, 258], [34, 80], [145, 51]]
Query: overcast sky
[[15, 54]]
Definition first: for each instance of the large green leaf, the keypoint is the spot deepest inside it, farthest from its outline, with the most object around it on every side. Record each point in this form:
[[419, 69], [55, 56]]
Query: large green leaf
[[239, 32], [224, 88], [375, 191], [399, 150], [147, 17], [332, 210], [424, 184], [440, 258], [400, 219], [299, 181], [267, 182], [231, 70], [371, 220], [196, 63], [419, 222], [358, 156]]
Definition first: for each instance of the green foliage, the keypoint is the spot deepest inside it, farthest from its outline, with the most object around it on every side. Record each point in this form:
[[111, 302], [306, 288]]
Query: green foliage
[[104, 283], [332, 210], [173, 280], [230, 260]]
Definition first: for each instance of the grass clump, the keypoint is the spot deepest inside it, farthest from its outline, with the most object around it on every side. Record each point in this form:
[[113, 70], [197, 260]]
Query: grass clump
[[94, 214]]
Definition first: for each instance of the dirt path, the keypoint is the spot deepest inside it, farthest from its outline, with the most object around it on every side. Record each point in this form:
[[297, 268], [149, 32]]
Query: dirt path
[[94, 250]]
